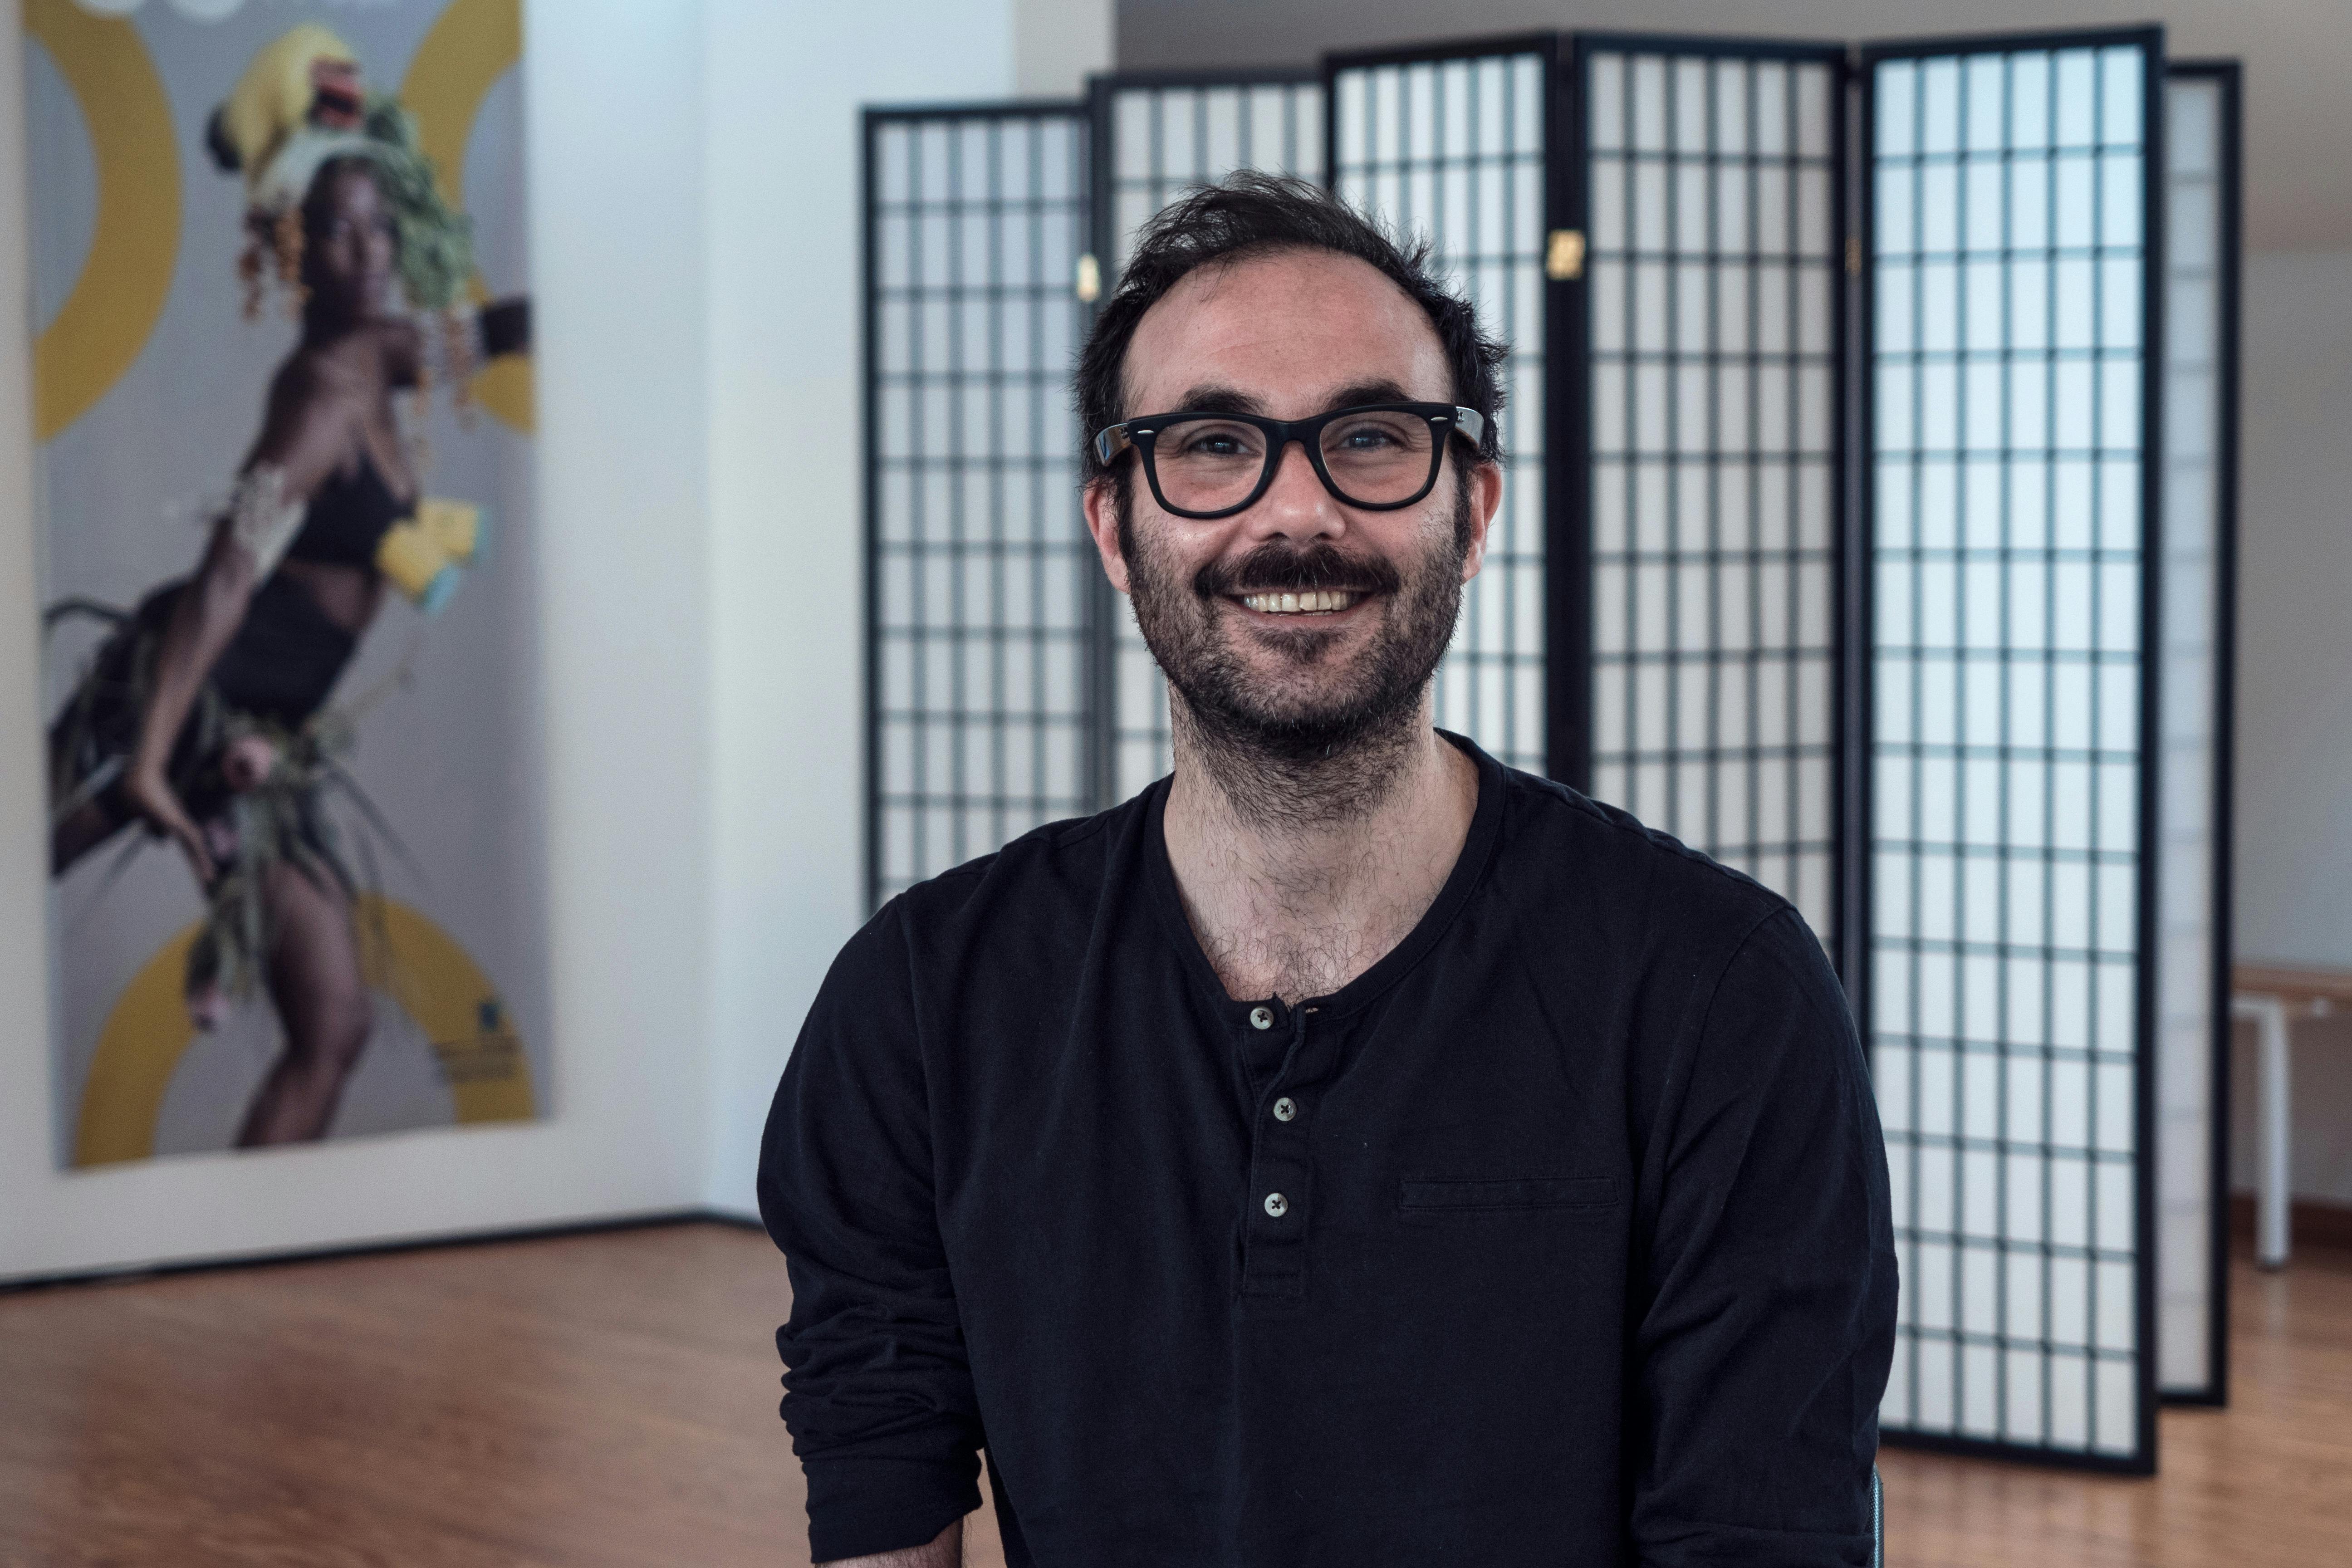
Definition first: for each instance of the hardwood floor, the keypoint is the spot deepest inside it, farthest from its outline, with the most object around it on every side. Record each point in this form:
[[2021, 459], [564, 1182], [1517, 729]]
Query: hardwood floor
[[2267, 1483], [574, 1402], [610, 1399]]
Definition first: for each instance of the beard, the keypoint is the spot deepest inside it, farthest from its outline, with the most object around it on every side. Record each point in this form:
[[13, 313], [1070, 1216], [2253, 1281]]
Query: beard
[[1325, 734]]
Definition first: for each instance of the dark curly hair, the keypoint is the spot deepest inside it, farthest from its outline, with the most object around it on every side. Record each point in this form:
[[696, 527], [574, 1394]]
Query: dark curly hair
[[1251, 214]]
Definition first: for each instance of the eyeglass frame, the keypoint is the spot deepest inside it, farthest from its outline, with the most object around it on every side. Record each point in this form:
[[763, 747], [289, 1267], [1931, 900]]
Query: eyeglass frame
[[1114, 439]]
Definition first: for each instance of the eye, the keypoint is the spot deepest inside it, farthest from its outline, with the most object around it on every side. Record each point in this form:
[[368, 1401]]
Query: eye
[[1214, 441], [1367, 436]]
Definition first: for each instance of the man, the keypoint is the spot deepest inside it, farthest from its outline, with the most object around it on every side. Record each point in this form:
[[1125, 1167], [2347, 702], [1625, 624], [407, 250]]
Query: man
[[1350, 1151]]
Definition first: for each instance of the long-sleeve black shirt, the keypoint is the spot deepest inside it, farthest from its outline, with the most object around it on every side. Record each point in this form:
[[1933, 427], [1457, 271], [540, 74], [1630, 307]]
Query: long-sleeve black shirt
[[1558, 1237]]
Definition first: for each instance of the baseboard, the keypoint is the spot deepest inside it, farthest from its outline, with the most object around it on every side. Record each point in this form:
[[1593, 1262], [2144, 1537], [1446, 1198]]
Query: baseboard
[[406, 1244], [2314, 1222]]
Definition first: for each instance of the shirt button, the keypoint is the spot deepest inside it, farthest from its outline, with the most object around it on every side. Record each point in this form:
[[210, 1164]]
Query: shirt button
[[1276, 1205], [1283, 1109], [1261, 1018]]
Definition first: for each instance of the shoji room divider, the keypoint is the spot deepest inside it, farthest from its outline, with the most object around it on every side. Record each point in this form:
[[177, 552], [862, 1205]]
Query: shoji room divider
[[1868, 525], [1708, 183], [981, 611], [2012, 323], [2197, 634]]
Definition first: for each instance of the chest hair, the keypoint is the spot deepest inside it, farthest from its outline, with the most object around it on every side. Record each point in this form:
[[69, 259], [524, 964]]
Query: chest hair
[[1270, 946]]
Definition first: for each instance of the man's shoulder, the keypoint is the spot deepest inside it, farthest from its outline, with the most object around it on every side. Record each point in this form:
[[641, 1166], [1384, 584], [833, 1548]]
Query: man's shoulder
[[1055, 866], [1562, 845]]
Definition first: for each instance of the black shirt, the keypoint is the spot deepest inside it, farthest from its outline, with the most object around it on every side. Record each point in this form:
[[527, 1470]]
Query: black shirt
[[1582, 1251]]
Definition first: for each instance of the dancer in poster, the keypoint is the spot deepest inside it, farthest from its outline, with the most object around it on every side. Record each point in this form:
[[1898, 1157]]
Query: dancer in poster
[[204, 717]]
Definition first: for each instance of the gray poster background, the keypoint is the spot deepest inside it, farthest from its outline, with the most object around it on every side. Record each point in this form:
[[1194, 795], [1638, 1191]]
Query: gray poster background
[[453, 756]]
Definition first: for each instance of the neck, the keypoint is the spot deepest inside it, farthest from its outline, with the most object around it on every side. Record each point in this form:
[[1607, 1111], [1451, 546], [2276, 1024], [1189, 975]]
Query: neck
[[1299, 873], [324, 326], [1295, 789]]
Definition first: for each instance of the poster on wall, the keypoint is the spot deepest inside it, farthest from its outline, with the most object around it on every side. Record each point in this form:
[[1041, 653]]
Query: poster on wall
[[283, 407]]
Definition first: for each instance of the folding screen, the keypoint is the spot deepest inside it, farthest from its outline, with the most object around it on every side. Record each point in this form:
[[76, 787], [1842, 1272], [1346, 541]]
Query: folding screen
[[2200, 356], [1710, 198], [1452, 143], [980, 597], [2013, 286], [1154, 135], [1862, 590]]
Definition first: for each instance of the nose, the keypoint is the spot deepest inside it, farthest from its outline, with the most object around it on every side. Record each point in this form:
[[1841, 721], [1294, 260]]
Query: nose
[[1295, 506]]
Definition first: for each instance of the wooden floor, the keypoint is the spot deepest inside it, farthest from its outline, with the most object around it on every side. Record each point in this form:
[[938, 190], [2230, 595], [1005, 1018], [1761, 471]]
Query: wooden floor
[[610, 1399], [2267, 1483]]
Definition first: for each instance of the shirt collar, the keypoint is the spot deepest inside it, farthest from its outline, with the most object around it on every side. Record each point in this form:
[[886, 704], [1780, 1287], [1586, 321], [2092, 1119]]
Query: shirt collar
[[1469, 869]]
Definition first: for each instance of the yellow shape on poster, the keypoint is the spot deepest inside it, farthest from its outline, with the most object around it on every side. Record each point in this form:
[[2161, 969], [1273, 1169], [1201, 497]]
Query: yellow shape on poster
[[137, 1051], [459, 59], [433, 979], [135, 243]]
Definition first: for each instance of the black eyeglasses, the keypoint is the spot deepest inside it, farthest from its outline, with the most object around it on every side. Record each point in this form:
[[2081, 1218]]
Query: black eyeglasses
[[1377, 457]]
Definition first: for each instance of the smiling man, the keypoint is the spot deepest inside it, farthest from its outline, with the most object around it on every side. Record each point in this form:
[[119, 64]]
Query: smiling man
[[1350, 1151]]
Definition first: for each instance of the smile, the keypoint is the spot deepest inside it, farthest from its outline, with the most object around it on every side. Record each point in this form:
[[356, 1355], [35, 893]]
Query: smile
[[1327, 602]]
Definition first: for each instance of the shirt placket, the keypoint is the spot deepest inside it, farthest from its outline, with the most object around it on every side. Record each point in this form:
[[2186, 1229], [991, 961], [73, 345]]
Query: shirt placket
[[1278, 1202]]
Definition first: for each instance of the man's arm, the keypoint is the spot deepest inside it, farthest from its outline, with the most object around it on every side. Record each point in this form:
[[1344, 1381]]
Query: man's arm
[[878, 1392], [1766, 1325], [947, 1551]]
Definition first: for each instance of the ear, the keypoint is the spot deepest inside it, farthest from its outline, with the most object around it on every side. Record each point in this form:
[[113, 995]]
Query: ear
[[1101, 504], [1486, 500]]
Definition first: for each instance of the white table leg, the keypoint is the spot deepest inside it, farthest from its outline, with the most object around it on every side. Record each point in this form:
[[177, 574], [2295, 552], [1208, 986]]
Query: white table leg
[[2271, 1193]]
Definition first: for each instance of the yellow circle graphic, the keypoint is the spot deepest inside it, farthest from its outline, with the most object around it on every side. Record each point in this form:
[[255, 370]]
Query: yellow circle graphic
[[115, 302], [460, 58], [405, 954]]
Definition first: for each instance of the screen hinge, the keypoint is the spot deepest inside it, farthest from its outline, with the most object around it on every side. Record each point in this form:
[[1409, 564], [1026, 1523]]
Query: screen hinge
[[1564, 257]]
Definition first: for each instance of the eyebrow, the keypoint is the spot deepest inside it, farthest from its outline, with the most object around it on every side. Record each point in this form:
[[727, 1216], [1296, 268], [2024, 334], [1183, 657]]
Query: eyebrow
[[1216, 398]]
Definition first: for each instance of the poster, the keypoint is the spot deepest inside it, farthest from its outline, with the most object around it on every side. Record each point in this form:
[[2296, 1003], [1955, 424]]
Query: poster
[[283, 409]]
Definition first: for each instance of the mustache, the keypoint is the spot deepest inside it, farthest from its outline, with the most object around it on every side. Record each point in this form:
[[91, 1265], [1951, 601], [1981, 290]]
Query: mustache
[[1276, 569]]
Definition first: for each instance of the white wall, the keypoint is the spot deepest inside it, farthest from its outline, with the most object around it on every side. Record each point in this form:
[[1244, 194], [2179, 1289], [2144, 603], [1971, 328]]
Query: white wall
[[2294, 840], [2294, 594], [1058, 44], [782, 95]]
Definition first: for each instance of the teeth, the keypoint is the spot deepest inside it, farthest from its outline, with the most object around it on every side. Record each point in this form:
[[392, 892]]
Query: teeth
[[1299, 603]]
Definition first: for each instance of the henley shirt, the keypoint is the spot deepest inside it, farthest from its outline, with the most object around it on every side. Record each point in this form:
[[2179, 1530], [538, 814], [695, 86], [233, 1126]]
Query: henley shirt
[[1558, 1237]]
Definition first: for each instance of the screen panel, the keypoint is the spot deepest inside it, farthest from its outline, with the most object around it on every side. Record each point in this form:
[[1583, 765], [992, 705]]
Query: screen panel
[[2012, 318], [1453, 145], [1155, 136], [1713, 213], [2200, 357], [979, 607]]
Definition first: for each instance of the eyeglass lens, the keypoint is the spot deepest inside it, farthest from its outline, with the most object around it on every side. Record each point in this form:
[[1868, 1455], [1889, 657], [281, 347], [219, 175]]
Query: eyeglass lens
[[1375, 458]]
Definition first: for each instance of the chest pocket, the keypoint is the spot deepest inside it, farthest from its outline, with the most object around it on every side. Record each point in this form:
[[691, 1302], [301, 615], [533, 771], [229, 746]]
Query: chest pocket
[[1424, 1195]]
